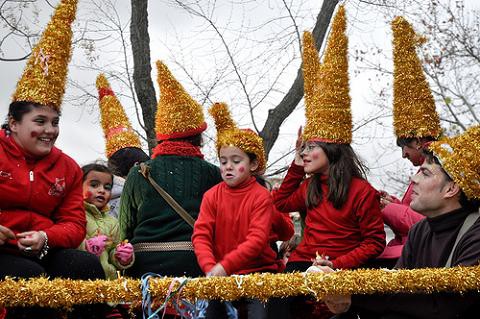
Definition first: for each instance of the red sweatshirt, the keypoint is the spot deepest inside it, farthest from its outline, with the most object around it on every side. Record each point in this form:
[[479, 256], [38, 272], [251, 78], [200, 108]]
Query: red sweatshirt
[[349, 236], [400, 218], [233, 228], [44, 194]]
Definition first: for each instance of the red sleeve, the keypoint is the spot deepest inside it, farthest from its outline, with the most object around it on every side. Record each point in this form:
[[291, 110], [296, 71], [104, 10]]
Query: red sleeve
[[256, 239], [371, 229], [400, 218], [290, 197], [202, 237], [282, 226], [70, 221]]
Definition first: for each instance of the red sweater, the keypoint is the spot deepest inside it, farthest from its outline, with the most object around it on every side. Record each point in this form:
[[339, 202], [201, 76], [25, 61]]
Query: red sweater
[[349, 236], [233, 228], [43, 194]]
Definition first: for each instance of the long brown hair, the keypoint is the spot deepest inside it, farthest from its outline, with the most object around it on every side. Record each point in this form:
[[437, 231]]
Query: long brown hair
[[343, 166]]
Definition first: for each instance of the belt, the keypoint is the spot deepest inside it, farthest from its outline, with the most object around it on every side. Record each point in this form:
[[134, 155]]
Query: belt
[[167, 246]]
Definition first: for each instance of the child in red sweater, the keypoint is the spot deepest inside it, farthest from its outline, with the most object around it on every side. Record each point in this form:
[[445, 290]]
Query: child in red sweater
[[343, 223], [231, 234]]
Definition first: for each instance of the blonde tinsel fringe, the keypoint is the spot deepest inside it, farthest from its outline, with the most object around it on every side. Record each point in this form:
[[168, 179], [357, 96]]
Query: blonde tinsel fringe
[[64, 293]]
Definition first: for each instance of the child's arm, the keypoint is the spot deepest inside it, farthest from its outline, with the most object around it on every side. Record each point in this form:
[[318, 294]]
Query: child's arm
[[120, 253], [282, 226], [256, 239], [202, 238], [370, 223], [290, 197]]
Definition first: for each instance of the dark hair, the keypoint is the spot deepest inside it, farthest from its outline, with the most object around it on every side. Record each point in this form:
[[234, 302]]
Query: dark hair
[[343, 165], [124, 159], [17, 110], [405, 141], [467, 204], [95, 167], [195, 140]]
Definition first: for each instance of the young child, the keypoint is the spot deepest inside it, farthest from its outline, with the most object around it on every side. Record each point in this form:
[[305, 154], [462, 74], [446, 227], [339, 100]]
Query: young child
[[103, 239], [231, 234], [343, 223]]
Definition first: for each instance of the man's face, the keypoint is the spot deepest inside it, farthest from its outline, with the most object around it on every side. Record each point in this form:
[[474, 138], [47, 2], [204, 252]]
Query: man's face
[[413, 152], [430, 187]]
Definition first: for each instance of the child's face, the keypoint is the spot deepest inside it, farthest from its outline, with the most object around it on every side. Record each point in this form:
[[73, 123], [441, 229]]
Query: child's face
[[235, 165], [97, 188], [314, 159]]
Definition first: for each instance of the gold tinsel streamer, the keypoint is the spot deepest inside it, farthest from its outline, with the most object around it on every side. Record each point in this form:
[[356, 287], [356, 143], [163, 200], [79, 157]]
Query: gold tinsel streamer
[[228, 134], [414, 112], [44, 77], [64, 293], [327, 99], [177, 111], [460, 157], [117, 129]]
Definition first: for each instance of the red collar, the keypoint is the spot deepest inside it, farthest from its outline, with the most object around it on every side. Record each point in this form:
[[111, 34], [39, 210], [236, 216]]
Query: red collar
[[177, 148]]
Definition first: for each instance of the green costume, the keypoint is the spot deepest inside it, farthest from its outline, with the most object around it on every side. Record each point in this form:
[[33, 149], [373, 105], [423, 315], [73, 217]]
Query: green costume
[[145, 217]]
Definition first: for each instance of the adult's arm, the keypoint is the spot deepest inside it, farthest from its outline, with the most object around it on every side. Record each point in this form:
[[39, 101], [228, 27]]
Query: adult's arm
[[69, 227]]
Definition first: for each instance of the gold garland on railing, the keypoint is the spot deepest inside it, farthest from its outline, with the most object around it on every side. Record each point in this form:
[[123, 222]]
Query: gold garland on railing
[[64, 293]]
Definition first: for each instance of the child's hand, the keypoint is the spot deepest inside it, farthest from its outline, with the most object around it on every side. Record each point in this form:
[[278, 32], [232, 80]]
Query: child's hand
[[298, 148], [217, 270], [322, 260], [96, 245], [124, 253], [386, 199]]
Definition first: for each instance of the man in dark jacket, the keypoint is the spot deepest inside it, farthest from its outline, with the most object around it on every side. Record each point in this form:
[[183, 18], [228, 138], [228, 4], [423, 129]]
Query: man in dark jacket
[[447, 191]]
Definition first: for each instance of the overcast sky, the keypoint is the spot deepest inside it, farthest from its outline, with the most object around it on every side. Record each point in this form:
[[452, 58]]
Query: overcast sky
[[81, 136]]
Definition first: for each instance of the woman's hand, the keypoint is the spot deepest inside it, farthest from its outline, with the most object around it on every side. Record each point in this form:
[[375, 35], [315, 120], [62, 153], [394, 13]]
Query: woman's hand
[[217, 270], [31, 242], [298, 148], [5, 234]]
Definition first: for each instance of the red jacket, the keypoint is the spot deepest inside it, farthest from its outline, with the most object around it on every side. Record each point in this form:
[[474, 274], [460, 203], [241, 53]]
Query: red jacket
[[233, 228], [45, 194], [400, 218], [349, 236]]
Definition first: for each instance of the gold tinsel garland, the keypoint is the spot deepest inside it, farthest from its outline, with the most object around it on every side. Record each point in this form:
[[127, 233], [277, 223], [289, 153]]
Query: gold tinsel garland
[[459, 156], [64, 293]]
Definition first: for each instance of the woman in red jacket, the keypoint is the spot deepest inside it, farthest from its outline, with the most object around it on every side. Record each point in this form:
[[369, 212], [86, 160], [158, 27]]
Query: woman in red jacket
[[42, 218]]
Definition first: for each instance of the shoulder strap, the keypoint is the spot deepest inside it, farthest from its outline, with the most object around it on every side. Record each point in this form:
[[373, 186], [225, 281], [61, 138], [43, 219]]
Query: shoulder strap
[[145, 171], [467, 224]]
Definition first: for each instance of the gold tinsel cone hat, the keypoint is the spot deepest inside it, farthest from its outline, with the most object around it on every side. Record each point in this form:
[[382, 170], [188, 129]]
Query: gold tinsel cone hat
[[178, 114], [228, 134], [414, 112], [44, 77], [460, 157], [116, 126], [327, 99]]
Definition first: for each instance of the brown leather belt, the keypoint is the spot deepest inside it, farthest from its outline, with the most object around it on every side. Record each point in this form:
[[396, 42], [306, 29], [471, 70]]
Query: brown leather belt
[[166, 246]]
